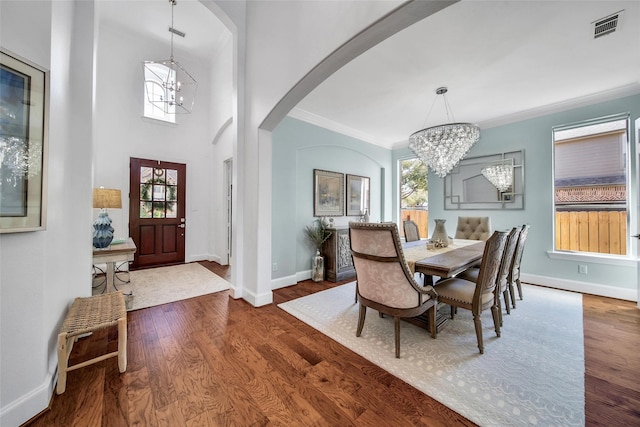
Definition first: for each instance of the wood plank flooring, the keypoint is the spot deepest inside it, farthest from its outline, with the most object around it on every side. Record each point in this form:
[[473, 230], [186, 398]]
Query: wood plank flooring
[[216, 361]]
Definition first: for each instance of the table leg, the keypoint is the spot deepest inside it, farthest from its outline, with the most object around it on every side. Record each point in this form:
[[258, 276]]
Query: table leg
[[111, 271]]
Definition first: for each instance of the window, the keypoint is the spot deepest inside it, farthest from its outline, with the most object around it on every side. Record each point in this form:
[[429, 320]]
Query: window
[[414, 191], [156, 93], [590, 186]]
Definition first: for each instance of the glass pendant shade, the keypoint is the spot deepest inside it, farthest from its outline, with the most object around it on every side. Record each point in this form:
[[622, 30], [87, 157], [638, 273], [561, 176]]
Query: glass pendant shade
[[501, 176], [442, 147]]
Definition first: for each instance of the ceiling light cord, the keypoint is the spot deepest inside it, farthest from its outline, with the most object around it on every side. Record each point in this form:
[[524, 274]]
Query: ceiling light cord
[[173, 4]]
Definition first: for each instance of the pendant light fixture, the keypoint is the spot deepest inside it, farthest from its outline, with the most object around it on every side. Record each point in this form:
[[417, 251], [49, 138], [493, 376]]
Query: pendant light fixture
[[168, 85], [442, 147]]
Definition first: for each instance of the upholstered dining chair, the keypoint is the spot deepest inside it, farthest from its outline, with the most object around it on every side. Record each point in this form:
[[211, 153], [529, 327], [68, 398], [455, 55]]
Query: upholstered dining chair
[[502, 279], [473, 227], [383, 279], [478, 296], [514, 274], [411, 231]]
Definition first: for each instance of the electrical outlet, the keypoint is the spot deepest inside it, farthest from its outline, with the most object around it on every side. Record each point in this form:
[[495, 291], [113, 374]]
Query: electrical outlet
[[582, 269], [275, 266]]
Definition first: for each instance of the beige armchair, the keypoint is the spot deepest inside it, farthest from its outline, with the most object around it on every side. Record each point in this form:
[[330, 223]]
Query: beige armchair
[[473, 227], [478, 296], [383, 279]]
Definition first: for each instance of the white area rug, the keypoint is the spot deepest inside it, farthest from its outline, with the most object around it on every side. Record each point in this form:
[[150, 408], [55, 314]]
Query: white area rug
[[156, 286], [532, 375]]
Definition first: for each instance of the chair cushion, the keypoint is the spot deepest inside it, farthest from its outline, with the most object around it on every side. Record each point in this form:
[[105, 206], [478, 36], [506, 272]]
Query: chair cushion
[[460, 290]]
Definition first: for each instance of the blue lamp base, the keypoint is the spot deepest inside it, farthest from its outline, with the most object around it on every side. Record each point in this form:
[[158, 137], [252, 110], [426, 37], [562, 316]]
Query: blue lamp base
[[102, 231]]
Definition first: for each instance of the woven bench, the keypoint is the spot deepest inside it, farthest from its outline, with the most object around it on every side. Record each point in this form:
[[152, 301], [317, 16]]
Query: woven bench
[[88, 315]]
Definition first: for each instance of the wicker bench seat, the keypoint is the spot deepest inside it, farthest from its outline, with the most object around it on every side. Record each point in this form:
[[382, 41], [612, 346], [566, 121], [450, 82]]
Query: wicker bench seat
[[88, 315]]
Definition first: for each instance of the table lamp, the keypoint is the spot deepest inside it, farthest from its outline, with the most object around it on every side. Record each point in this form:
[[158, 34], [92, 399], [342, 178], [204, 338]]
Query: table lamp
[[103, 199]]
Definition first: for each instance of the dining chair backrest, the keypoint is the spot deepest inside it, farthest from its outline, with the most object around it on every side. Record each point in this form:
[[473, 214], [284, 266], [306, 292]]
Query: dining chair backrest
[[411, 231], [473, 227], [517, 257], [486, 283], [381, 271], [507, 259]]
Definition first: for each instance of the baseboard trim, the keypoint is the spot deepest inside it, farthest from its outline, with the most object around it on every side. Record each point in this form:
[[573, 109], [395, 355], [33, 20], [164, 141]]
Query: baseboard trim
[[283, 282], [582, 287], [23, 409]]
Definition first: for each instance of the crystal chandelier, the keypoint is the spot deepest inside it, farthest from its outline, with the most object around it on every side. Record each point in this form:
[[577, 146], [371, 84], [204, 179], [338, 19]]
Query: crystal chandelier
[[442, 147], [501, 176], [167, 84]]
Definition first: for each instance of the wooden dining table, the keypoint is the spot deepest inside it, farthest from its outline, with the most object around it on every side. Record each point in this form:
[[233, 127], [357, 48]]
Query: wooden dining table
[[445, 262]]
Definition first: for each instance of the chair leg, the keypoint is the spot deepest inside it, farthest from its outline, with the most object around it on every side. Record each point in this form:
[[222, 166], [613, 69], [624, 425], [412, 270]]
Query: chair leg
[[499, 304], [122, 344], [497, 322], [396, 320], [477, 321], [453, 311], [361, 316], [519, 287], [63, 359], [512, 293], [505, 295]]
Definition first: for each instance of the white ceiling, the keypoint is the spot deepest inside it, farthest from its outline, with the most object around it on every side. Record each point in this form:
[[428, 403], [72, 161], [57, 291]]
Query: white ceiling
[[501, 60]]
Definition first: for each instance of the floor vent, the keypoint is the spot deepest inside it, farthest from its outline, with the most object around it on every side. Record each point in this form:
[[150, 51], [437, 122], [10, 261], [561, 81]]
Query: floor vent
[[606, 25]]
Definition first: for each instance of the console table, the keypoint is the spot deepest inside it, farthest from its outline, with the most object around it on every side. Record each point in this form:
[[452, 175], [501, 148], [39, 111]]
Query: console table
[[337, 251], [118, 252]]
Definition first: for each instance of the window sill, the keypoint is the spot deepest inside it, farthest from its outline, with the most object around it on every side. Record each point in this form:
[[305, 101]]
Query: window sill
[[158, 121], [625, 261]]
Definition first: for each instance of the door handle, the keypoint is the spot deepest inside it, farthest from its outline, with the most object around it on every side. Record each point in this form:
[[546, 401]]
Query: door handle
[[182, 225]]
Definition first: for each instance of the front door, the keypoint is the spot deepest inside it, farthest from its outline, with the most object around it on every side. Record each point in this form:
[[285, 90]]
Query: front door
[[156, 211]]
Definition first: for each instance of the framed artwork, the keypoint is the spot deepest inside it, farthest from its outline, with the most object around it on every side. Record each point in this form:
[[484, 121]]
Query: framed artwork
[[328, 189], [357, 195], [23, 144]]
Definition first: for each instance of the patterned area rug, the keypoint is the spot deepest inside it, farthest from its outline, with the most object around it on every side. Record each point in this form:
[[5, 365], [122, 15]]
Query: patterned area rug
[[156, 286], [532, 375]]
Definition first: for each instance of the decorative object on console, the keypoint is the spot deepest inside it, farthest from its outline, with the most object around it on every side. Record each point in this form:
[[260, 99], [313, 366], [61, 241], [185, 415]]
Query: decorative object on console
[[317, 233], [441, 147], [103, 199], [440, 238], [167, 84]]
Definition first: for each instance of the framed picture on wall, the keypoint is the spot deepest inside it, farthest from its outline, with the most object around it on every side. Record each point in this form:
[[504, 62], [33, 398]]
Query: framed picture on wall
[[357, 195], [328, 189], [23, 148]]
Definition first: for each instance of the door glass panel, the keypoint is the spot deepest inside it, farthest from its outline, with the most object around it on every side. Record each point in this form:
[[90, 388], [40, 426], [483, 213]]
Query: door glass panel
[[172, 193], [158, 192], [158, 176], [172, 177], [146, 174], [158, 209], [145, 209], [145, 191], [172, 210]]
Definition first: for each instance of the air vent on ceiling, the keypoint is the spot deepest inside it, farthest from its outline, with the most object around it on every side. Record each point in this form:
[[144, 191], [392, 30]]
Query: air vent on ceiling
[[606, 25], [177, 32]]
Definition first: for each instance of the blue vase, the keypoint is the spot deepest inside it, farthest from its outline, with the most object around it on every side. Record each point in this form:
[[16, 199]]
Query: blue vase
[[102, 231]]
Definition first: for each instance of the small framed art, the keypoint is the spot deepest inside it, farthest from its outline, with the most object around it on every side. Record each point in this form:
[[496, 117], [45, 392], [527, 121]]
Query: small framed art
[[357, 195], [328, 189]]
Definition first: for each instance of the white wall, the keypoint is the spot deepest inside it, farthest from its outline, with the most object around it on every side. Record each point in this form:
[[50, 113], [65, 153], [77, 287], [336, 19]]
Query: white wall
[[41, 272]]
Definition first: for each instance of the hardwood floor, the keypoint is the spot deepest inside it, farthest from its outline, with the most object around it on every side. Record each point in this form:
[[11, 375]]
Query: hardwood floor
[[213, 360]]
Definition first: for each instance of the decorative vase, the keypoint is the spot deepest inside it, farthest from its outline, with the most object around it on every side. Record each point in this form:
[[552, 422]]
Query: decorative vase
[[317, 267], [102, 231], [440, 237]]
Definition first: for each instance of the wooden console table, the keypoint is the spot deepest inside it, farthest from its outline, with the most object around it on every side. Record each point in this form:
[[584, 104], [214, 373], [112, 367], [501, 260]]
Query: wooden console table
[[118, 252], [337, 250]]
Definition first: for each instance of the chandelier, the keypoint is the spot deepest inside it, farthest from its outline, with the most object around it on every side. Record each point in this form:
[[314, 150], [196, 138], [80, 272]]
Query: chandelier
[[501, 176], [168, 85], [442, 147]]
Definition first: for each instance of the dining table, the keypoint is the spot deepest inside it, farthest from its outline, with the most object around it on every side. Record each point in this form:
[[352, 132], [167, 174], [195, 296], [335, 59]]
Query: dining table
[[443, 262]]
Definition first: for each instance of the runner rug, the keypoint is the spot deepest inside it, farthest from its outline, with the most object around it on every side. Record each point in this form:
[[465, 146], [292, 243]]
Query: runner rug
[[532, 375], [161, 285]]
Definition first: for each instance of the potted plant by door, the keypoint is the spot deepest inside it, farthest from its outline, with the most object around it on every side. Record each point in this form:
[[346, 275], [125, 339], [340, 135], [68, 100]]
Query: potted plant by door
[[317, 234]]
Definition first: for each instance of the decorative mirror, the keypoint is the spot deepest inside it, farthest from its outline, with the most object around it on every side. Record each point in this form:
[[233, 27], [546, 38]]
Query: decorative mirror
[[486, 182]]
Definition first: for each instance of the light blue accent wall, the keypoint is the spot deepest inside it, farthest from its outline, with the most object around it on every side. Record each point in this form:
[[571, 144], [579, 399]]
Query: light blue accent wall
[[534, 136], [298, 149]]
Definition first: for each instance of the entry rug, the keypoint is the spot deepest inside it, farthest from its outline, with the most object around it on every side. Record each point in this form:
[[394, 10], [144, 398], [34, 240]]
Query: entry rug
[[161, 285], [532, 375]]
